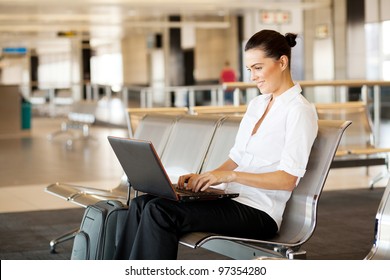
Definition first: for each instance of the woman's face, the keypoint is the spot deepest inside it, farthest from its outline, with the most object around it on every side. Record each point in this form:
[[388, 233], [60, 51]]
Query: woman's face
[[264, 71]]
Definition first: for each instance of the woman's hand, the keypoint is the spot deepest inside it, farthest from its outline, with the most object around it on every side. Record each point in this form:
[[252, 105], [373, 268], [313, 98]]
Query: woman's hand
[[183, 180], [201, 182]]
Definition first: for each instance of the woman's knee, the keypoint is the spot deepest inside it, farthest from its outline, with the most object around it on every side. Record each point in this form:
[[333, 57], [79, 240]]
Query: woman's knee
[[160, 211], [138, 203]]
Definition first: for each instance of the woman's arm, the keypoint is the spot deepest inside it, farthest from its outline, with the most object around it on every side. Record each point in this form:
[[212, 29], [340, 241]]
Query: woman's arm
[[189, 180], [277, 180]]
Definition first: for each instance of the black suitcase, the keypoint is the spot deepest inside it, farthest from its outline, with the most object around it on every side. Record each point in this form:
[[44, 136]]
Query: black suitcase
[[99, 231]]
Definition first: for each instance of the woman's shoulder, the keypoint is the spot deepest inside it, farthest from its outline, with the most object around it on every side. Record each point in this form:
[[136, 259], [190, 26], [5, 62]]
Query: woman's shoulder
[[302, 106]]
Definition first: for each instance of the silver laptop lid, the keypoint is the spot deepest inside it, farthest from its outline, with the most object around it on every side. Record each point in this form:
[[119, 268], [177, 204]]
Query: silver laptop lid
[[142, 166]]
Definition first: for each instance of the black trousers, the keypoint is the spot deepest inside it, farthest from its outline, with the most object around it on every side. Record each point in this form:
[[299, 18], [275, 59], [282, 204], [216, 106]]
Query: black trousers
[[154, 225]]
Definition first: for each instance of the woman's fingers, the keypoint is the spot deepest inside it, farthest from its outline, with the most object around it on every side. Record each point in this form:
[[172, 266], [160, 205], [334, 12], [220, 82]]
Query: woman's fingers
[[202, 182], [181, 183]]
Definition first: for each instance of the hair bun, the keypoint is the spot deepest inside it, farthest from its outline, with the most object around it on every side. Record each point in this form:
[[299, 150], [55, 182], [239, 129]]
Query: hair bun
[[291, 39]]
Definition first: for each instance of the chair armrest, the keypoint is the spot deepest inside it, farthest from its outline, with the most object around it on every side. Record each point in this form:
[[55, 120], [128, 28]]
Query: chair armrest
[[198, 239]]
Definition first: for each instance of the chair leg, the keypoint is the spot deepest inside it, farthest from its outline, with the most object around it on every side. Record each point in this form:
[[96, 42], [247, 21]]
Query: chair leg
[[296, 255], [64, 130], [85, 136], [65, 237], [377, 178]]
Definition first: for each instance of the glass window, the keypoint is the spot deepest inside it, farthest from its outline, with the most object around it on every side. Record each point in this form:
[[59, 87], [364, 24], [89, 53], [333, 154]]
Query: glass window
[[54, 70], [106, 69], [386, 39], [386, 50]]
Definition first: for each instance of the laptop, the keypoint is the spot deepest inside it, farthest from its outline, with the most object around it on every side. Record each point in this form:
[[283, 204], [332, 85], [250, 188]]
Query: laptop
[[146, 174]]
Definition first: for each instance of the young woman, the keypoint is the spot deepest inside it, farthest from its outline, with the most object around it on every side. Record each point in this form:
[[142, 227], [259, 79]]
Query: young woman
[[269, 156]]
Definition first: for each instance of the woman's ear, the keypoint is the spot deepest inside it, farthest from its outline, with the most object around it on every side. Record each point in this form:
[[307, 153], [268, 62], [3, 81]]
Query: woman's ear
[[283, 62]]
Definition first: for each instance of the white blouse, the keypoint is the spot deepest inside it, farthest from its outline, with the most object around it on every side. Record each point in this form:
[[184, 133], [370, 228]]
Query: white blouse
[[282, 142]]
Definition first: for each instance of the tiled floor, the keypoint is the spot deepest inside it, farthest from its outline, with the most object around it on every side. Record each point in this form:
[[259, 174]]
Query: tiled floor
[[29, 162]]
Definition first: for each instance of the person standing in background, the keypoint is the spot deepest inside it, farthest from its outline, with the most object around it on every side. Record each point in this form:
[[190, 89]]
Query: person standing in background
[[227, 75]]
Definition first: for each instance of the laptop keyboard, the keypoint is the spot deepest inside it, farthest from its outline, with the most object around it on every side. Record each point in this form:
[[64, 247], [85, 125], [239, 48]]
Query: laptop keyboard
[[188, 192]]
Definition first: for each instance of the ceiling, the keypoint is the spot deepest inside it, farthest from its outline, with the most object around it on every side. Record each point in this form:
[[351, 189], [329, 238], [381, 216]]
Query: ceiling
[[26, 20]]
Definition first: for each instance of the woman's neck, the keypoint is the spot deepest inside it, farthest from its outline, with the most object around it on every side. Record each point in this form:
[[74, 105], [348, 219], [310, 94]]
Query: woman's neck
[[286, 84]]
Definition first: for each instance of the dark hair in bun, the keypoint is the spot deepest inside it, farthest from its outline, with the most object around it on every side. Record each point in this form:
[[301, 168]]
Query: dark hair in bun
[[272, 43], [291, 39]]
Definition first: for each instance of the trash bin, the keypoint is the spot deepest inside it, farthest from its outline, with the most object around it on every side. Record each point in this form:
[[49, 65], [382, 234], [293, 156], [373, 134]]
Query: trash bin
[[26, 114]]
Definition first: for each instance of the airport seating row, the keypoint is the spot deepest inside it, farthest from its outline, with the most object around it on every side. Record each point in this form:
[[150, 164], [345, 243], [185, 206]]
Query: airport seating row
[[197, 143]]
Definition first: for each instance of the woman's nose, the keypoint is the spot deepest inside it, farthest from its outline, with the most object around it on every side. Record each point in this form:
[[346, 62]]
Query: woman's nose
[[253, 77]]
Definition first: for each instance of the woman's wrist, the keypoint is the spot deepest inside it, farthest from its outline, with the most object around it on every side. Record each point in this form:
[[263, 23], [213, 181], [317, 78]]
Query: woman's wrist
[[232, 176]]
